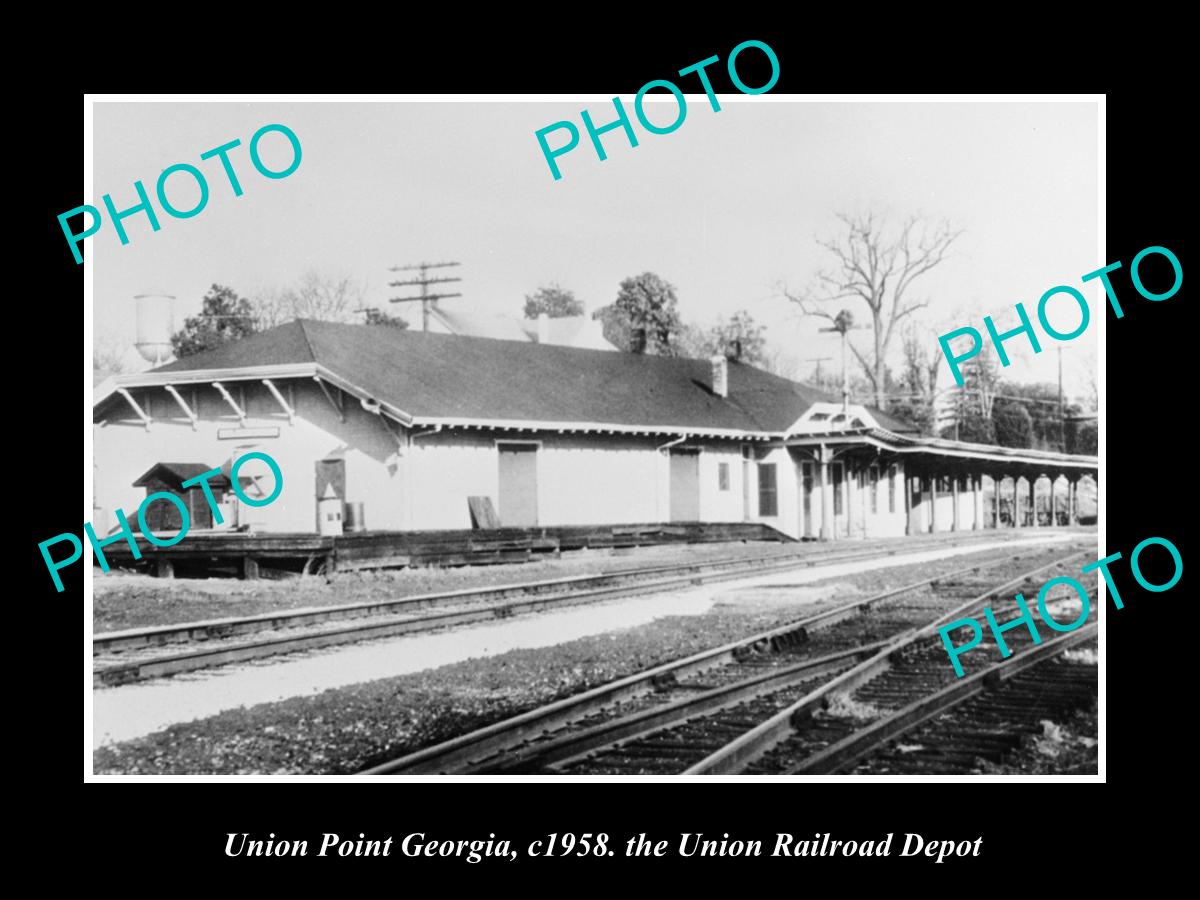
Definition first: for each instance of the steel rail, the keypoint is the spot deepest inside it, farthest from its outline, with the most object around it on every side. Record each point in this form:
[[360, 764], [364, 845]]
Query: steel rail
[[743, 750], [848, 751], [574, 747], [209, 657], [483, 744], [158, 635]]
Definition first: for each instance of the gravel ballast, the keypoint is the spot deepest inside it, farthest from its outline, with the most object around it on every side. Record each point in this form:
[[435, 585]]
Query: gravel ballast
[[344, 730], [128, 600]]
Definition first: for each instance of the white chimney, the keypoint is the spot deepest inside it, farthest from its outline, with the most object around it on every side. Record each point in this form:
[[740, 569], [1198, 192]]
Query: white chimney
[[543, 331], [720, 375]]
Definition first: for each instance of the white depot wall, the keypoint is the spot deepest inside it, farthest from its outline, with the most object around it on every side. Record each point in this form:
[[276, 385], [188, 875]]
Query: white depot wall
[[787, 481], [887, 520], [856, 500], [424, 484], [611, 479], [966, 507], [945, 509], [124, 449], [445, 469], [922, 509], [866, 511], [582, 479], [718, 505], [373, 454], [923, 520]]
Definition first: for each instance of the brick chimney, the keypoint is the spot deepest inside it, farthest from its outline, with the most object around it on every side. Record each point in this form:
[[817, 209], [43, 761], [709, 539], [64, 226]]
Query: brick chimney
[[720, 375], [637, 340], [543, 328]]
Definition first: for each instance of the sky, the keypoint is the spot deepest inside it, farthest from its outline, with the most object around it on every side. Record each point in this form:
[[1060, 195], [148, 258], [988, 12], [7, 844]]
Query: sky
[[727, 208]]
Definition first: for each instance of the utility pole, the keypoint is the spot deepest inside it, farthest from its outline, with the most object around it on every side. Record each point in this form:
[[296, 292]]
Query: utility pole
[[423, 282], [1062, 416], [841, 324], [818, 360]]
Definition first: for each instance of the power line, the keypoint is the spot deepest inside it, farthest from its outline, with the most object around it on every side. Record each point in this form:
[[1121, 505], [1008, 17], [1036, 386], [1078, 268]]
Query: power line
[[818, 360], [971, 391], [423, 282]]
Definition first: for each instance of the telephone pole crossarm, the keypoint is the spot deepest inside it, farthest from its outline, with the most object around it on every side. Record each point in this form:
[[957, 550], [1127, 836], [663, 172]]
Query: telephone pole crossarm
[[423, 282]]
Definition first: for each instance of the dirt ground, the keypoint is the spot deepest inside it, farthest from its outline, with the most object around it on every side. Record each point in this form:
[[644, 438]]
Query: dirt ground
[[128, 600], [344, 730], [1068, 747]]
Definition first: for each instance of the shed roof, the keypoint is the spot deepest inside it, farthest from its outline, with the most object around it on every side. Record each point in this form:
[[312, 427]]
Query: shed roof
[[175, 474]]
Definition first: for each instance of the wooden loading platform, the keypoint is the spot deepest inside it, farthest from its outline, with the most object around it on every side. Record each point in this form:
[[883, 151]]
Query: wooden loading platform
[[246, 554]]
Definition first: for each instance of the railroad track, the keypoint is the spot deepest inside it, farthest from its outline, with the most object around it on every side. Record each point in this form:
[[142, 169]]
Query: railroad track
[[875, 717], [908, 682], [667, 718], [143, 653], [992, 724]]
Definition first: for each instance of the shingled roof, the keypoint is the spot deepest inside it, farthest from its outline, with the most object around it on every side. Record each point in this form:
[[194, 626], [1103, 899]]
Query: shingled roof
[[452, 376]]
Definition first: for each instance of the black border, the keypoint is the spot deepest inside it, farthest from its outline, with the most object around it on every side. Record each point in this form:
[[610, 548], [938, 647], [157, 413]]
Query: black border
[[1145, 495]]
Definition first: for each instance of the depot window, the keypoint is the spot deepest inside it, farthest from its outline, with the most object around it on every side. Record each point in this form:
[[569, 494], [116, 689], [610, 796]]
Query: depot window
[[768, 495]]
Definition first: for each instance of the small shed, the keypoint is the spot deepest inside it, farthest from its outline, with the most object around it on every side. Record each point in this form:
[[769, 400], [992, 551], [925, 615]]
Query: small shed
[[166, 476]]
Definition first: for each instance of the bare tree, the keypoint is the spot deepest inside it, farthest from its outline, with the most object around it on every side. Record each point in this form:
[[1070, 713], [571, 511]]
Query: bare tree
[[781, 363], [919, 380], [737, 336], [877, 266], [107, 352], [1090, 382], [315, 296]]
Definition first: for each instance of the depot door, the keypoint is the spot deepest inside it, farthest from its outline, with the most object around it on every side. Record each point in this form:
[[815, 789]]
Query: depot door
[[518, 485], [685, 485]]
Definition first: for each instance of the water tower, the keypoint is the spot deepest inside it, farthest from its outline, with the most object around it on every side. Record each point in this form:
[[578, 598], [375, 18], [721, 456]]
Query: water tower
[[155, 323]]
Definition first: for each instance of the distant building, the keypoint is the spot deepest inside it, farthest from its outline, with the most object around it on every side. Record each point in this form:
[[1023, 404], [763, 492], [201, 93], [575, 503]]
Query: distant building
[[566, 331], [407, 426]]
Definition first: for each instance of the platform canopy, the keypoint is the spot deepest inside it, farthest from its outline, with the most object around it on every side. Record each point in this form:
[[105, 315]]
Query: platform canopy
[[946, 456]]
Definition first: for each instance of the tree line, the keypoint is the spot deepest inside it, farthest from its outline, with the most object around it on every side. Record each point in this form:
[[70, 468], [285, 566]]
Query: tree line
[[645, 318], [226, 316], [646, 305], [876, 268]]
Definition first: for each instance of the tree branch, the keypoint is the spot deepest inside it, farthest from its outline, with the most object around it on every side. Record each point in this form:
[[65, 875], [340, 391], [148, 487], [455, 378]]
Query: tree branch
[[866, 365]]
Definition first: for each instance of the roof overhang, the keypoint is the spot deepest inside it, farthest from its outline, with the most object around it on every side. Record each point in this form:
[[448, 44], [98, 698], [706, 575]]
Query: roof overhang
[[592, 428], [869, 436], [311, 370], [243, 373], [904, 445]]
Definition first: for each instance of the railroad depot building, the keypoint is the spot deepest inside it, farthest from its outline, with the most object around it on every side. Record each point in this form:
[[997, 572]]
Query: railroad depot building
[[395, 430]]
